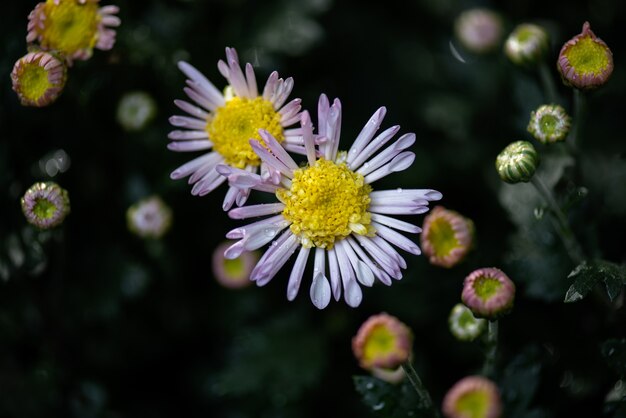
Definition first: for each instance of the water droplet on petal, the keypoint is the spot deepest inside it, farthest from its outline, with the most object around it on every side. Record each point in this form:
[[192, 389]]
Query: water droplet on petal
[[353, 294], [320, 291], [399, 190]]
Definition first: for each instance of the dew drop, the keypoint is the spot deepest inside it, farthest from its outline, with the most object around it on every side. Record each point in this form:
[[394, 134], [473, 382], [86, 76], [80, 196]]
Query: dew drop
[[399, 190], [378, 406], [369, 386], [270, 232]]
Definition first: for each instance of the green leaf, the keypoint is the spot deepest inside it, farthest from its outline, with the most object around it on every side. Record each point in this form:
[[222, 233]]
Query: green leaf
[[520, 381], [614, 352], [388, 400], [587, 275]]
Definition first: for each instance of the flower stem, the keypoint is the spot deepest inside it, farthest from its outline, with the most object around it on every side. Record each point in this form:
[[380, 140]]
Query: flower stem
[[489, 366], [578, 110], [548, 83], [425, 400], [560, 222]]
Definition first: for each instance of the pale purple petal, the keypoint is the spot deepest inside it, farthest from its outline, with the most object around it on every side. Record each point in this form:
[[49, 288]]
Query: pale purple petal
[[295, 278]]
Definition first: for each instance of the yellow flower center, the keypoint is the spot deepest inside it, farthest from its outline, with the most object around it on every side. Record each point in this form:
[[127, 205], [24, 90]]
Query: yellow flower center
[[236, 123], [327, 202], [70, 26], [486, 287], [588, 57], [33, 81], [380, 343], [442, 237], [235, 269], [474, 404], [44, 209]]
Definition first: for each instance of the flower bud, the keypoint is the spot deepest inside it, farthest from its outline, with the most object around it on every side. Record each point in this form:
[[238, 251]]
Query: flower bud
[[233, 273], [527, 44], [45, 205], [446, 237], [585, 61], [464, 325], [488, 292], [549, 123], [38, 78], [479, 30], [136, 110], [383, 341], [517, 162], [149, 218], [472, 397]]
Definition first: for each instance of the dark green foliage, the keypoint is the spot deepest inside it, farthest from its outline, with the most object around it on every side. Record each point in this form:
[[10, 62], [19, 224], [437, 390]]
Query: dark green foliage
[[587, 275]]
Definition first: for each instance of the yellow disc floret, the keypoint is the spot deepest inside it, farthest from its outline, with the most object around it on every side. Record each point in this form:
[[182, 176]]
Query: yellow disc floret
[[327, 202], [33, 81], [588, 57], [238, 121], [69, 26]]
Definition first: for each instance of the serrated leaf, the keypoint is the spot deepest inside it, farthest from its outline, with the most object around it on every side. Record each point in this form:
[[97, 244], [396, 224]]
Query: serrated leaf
[[614, 352], [588, 275], [388, 400]]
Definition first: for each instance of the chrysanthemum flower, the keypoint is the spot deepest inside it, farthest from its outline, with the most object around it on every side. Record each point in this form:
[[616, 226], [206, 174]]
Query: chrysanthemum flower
[[549, 123], [149, 218], [329, 206], [517, 162], [479, 30], [585, 61], [38, 78], [527, 44], [446, 237], [383, 341], [473, 397], [463, 325], [45, 205], [234, 273], [488, 292], [225, 123], [73, 27]]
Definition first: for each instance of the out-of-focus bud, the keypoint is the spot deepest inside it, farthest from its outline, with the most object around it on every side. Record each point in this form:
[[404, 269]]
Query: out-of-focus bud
[[528, 44], [149, 218], [446, 237], [233, 273], [383, 341], [479, 30], [473, 397], [136, 110], [464, 325]]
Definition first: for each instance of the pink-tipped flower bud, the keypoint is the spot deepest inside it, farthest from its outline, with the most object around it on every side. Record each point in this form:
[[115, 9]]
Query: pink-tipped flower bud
[[585, 61], [383, 341], [233, 273], [446, 237], [38, 78], [488, 292], [472, 397]]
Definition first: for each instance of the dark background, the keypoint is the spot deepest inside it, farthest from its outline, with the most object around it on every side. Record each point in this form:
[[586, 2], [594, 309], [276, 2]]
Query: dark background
[[95, 322]]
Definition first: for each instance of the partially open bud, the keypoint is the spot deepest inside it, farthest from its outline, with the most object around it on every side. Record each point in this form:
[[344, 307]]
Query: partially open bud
[[549, 123], [585, 61], [527, 44], [464, 325], [479, 30], [45, 205], [149, 218], [446, 237], [517, 162], [473, 397], [383, 341], [233, 273], [38, 78], [488, 292]]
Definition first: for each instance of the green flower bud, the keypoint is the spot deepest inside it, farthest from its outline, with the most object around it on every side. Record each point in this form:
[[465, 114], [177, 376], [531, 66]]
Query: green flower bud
[[464, 325], [527, 44], [45, 205], [585, 61], [549, 123], [517, 162]]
